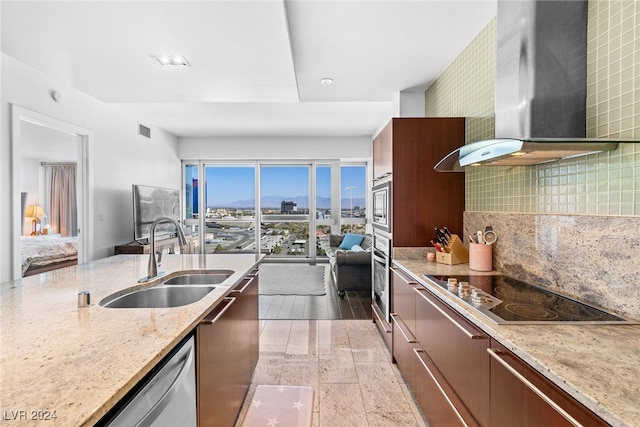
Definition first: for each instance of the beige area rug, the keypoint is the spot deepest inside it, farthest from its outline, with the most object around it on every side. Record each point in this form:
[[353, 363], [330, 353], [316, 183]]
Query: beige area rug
[[280, 406], [293, 279]]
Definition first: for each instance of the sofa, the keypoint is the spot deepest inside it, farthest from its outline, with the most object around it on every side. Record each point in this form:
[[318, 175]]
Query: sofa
[[350, 264]]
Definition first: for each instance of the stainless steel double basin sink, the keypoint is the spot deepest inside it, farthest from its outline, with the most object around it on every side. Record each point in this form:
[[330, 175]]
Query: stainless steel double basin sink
[[175, 291]]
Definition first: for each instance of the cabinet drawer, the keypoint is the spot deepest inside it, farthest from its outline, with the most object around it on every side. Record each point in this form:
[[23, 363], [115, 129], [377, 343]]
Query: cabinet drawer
[[521, 396], [404, 297], [440, 405], [404, 342], [458, 349]]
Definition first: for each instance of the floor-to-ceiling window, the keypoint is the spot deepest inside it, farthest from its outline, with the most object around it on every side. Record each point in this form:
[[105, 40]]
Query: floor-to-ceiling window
[[270, 207], [284, 210]]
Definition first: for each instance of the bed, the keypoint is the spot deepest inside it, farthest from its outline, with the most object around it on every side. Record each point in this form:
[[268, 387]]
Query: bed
[[45, 253]]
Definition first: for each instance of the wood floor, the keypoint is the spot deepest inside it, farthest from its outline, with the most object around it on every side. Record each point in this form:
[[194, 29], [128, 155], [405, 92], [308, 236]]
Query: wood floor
[[355, 305]]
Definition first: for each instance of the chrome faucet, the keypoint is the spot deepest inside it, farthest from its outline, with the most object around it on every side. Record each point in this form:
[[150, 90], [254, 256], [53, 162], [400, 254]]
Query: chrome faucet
[[152, 270]]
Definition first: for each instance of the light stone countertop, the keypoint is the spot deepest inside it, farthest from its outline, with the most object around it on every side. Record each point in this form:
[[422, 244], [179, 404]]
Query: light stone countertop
[[599, 365], [79, 362]]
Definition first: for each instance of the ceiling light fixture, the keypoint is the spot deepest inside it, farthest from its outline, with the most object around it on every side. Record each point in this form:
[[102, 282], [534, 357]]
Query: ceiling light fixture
[[326, 81], [172, 61]]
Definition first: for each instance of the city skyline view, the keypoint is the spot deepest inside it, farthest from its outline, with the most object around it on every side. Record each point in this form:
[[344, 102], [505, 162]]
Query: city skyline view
[[234, 186]]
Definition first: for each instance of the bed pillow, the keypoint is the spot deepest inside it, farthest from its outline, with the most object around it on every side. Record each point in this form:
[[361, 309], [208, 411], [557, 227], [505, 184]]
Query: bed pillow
[[351, 239]]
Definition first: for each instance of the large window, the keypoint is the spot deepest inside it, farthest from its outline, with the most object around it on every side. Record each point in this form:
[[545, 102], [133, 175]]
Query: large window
[[230, 207]]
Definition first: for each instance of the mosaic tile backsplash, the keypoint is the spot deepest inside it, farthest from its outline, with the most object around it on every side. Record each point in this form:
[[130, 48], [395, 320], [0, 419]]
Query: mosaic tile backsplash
[[598, 184]]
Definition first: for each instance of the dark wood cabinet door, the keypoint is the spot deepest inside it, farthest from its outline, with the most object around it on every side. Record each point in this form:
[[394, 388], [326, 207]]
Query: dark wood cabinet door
[[422, 198], [382, 152], [404, 324], [218, 394], [439, 403], [520, 396], [458, 349]]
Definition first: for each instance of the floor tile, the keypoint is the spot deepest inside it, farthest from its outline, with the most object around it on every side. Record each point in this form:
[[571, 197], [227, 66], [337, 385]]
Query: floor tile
[[341, 405], [347, 364], [336, 366]]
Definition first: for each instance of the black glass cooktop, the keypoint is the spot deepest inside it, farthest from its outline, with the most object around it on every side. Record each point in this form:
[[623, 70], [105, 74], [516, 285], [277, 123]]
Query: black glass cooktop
[[506, 300]]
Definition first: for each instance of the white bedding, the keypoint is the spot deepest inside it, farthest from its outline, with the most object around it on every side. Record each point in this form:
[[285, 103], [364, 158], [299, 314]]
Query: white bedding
[[43, 250]]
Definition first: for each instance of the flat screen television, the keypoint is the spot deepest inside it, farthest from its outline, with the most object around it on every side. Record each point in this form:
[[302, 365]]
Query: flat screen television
[[149, 204]]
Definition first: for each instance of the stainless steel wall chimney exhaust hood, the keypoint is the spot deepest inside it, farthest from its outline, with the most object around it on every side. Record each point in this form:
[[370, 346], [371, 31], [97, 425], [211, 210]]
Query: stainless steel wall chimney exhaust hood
[[541, 85]]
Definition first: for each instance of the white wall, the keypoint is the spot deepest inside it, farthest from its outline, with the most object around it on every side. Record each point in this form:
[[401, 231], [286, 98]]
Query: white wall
[[267, 148], [119, 157]]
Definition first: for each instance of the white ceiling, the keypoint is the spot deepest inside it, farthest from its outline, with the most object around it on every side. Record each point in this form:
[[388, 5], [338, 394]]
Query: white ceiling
[[256, 66]]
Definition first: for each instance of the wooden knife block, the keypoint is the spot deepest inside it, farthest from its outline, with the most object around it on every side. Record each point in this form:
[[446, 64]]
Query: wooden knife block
[[456, 252]]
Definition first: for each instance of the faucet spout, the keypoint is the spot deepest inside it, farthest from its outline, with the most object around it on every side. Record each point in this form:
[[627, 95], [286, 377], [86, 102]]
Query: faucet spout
[[152, 270]]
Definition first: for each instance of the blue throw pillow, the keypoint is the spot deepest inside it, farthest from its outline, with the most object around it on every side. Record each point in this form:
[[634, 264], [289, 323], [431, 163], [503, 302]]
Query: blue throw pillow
[[351, 239]]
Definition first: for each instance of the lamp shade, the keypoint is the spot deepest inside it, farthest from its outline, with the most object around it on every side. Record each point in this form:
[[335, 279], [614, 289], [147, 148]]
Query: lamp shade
[[34, 211]]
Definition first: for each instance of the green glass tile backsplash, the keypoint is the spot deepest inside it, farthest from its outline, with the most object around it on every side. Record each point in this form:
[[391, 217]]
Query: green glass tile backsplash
[[598, 184]]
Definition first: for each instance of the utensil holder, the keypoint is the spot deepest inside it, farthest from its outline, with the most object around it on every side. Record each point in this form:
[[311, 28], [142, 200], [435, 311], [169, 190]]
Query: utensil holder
[[480, 257], [455, 252]]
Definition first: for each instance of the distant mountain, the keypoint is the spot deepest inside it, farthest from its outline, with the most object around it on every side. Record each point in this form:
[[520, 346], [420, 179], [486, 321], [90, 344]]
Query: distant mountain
[[301, 201]]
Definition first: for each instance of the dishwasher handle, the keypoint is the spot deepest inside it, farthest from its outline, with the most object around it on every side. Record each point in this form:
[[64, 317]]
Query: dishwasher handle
[[150, 417]]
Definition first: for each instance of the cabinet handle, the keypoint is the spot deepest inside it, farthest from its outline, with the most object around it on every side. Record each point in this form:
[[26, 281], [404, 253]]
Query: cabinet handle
[[444, 394], [397, 322], [445, 314], [239, 291], [228, 301], [374, 309], [495, 354], [402, 277]]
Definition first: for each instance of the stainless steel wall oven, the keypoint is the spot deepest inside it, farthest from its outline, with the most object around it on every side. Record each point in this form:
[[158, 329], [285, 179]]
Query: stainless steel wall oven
[[381, 292]]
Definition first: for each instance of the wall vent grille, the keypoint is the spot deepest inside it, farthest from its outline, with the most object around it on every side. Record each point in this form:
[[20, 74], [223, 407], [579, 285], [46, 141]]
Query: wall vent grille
[[144, 131]]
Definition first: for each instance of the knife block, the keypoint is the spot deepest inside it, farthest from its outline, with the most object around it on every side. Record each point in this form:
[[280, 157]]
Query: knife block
[[455, 252]]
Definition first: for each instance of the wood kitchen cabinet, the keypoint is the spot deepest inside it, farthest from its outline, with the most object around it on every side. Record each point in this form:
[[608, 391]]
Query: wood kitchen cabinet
[[227, 353], [458, 351], [408, 149], [404, 324], [247, 294], [460, 376], [520, 396], [382, 153]]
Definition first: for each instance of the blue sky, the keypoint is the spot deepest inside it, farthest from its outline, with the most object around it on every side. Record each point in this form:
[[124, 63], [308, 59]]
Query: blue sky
[[232, 183]]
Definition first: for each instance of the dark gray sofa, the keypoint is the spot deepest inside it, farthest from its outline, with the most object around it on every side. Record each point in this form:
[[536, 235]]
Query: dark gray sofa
[[350, 270]]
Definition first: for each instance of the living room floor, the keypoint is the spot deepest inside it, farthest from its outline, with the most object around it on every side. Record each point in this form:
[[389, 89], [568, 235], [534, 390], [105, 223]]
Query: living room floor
[[347, 364]]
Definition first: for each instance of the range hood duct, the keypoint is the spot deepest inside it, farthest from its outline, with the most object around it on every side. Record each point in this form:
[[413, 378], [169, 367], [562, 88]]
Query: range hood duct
[[541, 88]]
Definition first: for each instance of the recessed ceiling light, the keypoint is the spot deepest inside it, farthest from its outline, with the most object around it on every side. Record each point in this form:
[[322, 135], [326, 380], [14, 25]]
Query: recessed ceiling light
[[326, 81], [172, 61]]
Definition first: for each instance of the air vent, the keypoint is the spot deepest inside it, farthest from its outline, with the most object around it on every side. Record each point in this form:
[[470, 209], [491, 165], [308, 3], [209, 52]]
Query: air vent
[[144, 131]]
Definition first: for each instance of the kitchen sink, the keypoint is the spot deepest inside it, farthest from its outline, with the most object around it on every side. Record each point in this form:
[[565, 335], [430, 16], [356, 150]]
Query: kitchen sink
[[158, 297], [210, 278]]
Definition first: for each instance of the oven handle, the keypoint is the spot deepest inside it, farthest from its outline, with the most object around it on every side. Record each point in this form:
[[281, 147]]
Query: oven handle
[[495, 354], [379, 259]]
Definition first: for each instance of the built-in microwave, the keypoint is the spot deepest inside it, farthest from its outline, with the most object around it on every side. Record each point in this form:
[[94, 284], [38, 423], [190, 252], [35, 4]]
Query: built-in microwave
[[382, 205]]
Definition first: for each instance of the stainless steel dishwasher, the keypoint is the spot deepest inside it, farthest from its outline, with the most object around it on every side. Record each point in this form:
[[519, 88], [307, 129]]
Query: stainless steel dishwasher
[[168, 398]]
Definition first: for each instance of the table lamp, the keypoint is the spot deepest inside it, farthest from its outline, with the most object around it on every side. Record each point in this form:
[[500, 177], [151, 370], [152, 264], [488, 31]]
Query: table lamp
[[36, 212]]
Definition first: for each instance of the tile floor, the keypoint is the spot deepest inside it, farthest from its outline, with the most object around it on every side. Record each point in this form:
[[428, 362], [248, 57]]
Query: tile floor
[[347, 364]]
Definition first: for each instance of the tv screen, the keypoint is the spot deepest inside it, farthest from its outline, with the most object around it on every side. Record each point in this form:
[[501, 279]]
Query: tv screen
[[149, 204]]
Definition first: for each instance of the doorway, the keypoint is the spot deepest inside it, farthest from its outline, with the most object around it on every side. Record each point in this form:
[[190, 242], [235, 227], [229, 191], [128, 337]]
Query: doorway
[[63, 142]]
